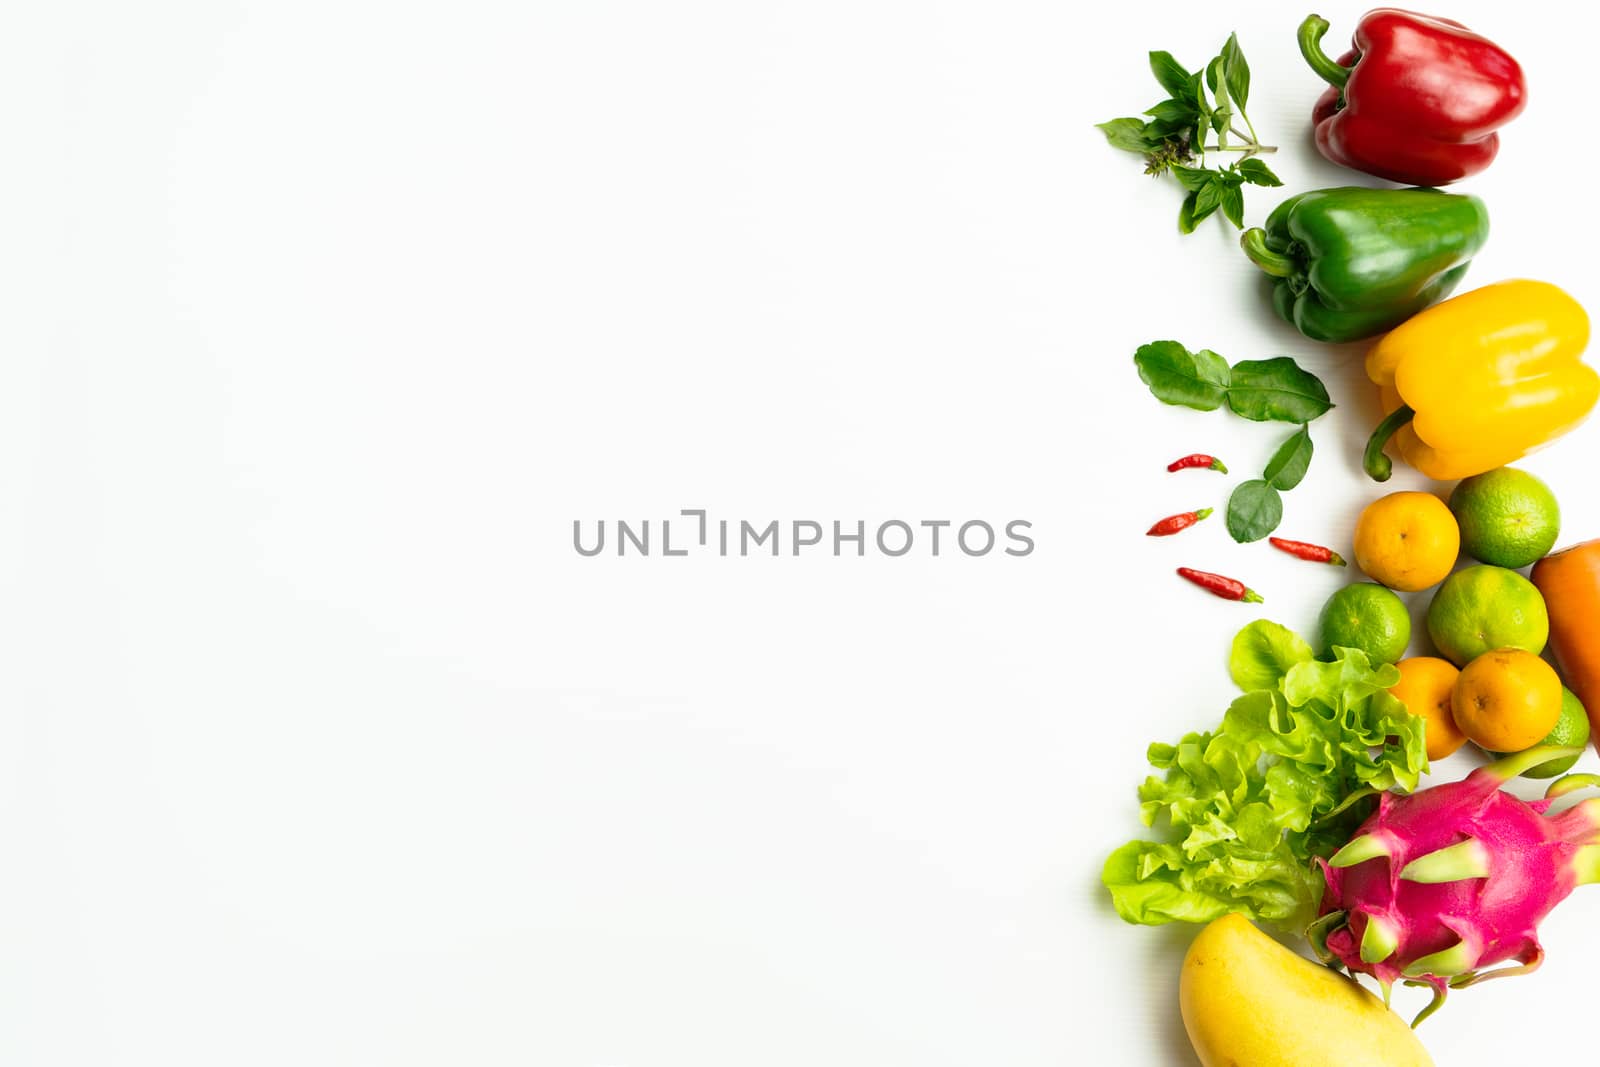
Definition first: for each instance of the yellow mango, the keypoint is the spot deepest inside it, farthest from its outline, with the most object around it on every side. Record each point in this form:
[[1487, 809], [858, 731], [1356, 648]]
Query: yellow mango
[[1249, 1002]]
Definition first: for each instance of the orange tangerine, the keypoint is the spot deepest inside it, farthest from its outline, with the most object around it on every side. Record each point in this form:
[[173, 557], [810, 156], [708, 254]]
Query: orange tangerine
[[1407, 541], [1507, 700], [1426, 686]]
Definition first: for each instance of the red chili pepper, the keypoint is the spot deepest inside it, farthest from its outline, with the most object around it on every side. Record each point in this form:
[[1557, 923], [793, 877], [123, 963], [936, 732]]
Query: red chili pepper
[[1302, 550], [1216, 584], [1416, 100], [1200, 460], [1173, 523]]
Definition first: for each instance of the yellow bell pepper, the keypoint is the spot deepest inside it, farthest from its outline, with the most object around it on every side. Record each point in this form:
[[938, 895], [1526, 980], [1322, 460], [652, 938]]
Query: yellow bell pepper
[[1481, 380]]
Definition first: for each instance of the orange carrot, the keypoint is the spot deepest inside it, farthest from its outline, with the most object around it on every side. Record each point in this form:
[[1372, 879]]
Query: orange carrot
[[1570, 582]]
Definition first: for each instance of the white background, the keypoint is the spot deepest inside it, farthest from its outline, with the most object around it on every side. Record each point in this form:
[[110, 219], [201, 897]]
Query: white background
[[318, 742]]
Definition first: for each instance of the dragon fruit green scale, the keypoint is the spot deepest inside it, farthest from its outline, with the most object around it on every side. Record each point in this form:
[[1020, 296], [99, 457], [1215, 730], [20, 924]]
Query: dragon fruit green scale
[[1439, 886]]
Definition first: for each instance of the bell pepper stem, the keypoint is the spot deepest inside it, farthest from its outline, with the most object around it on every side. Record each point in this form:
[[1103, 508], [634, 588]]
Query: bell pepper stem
[[1376, 464], [1254, 243], [1310, 37]]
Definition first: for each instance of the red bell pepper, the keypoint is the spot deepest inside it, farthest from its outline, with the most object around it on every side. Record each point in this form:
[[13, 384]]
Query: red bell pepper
[[1417, 99]]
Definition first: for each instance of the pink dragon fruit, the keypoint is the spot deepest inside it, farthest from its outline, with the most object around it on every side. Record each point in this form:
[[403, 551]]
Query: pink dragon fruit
[[1439, 886]]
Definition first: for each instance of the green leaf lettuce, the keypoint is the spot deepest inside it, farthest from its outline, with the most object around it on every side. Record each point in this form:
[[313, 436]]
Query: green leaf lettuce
[[1285, 778], [1262, 654]]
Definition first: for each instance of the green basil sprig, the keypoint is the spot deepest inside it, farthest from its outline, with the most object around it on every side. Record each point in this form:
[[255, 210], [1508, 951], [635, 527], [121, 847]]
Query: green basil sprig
[[1204, 105]]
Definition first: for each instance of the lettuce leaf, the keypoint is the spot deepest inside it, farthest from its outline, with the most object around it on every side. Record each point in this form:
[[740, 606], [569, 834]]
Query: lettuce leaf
[[1263, 652], [1286, 777]]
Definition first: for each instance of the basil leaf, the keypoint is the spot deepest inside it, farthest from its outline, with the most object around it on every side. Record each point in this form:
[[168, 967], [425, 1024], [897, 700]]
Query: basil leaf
[[1186, 220], [1222, 117], [1192, 178], [1126, 134], [1276, 390], [1233, 204], [1258, 173], [1178, 111], [1175, 375], [1169, 72], [1208, 199], [1222, 113], [1254, 511], [1236, 71], [1197, 92], [1219, 87], [1200, 213], [1159, 130], [1289, 463]]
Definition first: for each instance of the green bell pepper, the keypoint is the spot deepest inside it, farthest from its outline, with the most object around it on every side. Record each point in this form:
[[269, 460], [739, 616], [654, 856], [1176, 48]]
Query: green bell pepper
[[1353, 262]]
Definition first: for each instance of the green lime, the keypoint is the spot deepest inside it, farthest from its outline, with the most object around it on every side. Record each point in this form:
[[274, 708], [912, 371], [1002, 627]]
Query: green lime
[[1483, 608], [1367, 616], [1507, 516], [1571, 731]]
